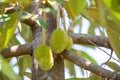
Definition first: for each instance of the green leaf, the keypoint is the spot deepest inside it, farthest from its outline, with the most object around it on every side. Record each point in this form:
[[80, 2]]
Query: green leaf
[[60, 1], [41, 23], [77, 79], [74, 7], [114, 6], [3, 76], [7, 70], [108, 14], [91, 29], [84, 54], [114, 40], [48, 10], [6, 0], [92, 14], [113, 66], [70, 66], [24, 63], [8, 30], [112, 21], [14, 41], [2, 0], [114, 27], [25, 32], [102, 12], [95, 77], [6, 17], [28, 74]]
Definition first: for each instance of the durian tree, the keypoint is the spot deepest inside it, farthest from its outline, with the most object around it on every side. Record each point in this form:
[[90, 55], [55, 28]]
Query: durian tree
[[39, 36]]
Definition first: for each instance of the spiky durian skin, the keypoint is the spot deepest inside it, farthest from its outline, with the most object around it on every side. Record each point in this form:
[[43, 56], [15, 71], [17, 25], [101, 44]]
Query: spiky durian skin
[[43, 55], [58, 41], [70, 43]]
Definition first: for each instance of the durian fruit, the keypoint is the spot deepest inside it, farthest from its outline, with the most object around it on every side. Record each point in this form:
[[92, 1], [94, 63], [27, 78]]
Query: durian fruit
[[69, 43], [43, 55], [58, 41]]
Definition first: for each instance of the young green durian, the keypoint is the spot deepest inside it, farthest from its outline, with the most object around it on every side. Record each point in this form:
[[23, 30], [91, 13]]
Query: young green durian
[[69, 43], [43, 55], [58, 41]]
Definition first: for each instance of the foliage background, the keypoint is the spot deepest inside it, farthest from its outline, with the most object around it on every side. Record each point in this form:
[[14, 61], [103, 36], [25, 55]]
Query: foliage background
[[101, 20]]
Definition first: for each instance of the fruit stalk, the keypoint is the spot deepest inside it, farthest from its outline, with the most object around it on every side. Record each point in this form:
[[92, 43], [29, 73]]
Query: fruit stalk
[[58, 18], [63, 16], [44, 30]]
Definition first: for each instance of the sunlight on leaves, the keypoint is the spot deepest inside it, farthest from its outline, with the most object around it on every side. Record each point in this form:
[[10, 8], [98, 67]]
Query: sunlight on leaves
[[25, 32], [70, 66], [74, 7], [14, 41], [41, 23], [115, 41], [114, 5], [7, 70], [8, 30], [24, 63], [28, 74]]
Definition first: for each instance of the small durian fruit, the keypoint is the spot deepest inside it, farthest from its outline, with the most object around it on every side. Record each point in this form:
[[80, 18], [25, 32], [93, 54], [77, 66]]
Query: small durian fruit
[[69, 43], [43, 55], [58, 41]]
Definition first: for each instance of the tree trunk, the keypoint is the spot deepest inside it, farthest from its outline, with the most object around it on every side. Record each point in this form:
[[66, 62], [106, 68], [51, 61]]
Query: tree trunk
[[57, 71]]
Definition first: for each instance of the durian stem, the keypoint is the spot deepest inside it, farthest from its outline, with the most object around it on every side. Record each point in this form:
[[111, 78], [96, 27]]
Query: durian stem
[[58, 18], [44, 30], [43, 36], [63, 16], [64, 20]]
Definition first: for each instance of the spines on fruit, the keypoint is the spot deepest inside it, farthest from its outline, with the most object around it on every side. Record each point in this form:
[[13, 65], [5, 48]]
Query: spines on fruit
[[69, 43], [43, 55], [58, 41]]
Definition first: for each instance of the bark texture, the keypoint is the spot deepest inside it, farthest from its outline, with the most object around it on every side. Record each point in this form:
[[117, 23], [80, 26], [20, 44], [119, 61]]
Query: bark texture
[[88, 39]]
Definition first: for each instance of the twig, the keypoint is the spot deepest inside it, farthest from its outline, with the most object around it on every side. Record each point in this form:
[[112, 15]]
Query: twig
[[58, 18], [108, 59], [104, 51], [44, 30]]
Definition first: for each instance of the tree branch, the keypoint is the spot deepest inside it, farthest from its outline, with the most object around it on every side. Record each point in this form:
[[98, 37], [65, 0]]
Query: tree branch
[[86, 39], [26, 49], [90, 66], [77, 38], [15, 51]]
